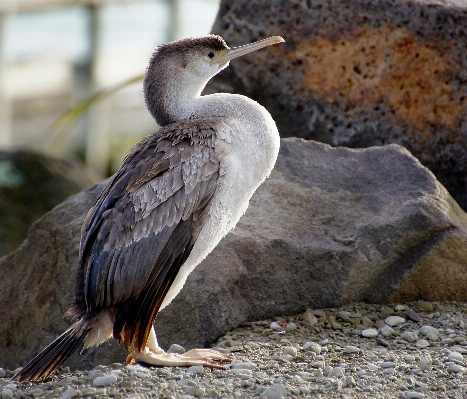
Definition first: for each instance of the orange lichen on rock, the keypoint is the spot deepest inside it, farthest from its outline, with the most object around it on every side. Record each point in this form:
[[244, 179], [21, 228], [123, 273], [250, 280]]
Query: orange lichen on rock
[[387, 65]]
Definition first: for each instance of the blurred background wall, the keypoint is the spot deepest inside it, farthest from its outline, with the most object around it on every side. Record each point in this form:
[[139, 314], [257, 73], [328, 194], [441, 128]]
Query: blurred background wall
[[56, 53]]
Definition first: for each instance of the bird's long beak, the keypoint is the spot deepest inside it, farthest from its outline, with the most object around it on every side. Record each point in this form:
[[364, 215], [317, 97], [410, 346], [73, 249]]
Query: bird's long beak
[[227, 55]]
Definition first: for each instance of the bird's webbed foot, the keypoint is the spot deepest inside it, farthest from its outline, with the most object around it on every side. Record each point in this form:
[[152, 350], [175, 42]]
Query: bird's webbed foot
[[194, 357]]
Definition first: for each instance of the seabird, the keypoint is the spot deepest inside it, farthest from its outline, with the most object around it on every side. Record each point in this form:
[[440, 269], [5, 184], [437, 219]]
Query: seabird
[[177, 194]]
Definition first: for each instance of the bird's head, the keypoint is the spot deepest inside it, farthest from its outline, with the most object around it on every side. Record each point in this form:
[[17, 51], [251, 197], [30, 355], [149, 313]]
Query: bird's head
[[182, 68]]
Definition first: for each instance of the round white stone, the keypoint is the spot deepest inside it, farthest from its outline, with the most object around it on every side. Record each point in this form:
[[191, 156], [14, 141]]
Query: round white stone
[[351, 349], [105, 380], [290, 350], [336, 372], [195, 370], [409, 336], [456, 357], [421, 343], [275, 326], [387, 331], [456, 368], [291, 326], [430, 332], [174, 348], [425, 363], [370, 333], [312, 346], [69, 394], [394, 320]]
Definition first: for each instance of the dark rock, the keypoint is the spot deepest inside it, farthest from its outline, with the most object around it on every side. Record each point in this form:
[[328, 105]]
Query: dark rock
[[381, 342], [414, 316], [330, 226], [359, 73], [31, 184], [424, 306]]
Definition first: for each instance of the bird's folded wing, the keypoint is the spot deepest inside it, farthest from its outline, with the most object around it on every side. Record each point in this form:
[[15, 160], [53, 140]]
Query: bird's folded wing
[[144, 224]]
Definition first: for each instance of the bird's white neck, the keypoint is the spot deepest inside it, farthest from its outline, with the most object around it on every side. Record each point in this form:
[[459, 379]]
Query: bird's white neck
[[185, 104], [175, 95]]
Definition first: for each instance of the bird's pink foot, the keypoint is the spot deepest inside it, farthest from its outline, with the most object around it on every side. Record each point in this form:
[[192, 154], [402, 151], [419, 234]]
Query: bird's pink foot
[[194, 357]]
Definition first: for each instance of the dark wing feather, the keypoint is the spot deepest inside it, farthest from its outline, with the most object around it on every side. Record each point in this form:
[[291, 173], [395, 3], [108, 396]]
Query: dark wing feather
[[144, 225]]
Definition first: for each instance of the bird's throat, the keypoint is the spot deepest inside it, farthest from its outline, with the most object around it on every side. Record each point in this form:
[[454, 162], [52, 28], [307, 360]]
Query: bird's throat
[[170, 100]]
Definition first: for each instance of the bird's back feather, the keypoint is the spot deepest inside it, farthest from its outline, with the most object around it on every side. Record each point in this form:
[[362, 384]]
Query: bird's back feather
[[144, 225]]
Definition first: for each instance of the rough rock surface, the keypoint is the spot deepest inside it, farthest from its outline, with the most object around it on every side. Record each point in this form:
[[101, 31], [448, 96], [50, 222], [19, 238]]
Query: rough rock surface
[[31, 184], [359, 73], [330, 226]]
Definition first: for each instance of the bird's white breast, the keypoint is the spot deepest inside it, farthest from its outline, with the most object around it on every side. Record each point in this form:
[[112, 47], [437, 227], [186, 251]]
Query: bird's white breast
[[247, 143]]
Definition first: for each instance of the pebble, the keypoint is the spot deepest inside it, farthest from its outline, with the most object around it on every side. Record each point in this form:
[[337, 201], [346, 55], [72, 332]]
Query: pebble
[[425, 363], [36, 392], [309, 318], [410, 336], [422, 343], [242, 365], [277, 391], [381, 342], [239, 371], [372, 367], [456, 368], [336, 372], [69, 394], [174, 348], [7, 393], [275, 326], [370, 333], [88, 391], [456, 357], [312, 346], [290, 350], [414, 316], [351, 349], [424, 306], [386, 311], [308, 361], [430, 332], [195, 370], [344, 316], [291, 326], [387, 331], [105, 380], [393, 321], [367, 322]]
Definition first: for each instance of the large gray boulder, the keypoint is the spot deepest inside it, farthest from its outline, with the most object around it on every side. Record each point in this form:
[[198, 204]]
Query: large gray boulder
[[359, 73], [330, 226]]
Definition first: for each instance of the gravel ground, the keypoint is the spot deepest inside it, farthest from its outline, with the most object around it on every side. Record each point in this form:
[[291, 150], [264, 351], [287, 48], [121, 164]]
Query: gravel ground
[[413, 350]]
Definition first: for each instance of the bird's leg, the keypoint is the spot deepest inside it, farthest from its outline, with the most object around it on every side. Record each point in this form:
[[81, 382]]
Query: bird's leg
[[153, 355]]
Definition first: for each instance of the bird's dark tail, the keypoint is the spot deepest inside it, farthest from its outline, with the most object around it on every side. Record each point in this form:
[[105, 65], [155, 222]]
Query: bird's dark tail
[[54, 355]]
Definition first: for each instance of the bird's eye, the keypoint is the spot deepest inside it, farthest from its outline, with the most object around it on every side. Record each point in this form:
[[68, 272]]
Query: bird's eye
[[211, 54]]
